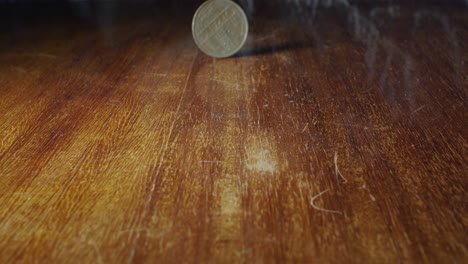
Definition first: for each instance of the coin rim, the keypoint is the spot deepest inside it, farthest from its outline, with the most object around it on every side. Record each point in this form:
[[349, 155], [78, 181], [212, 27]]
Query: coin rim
[[197, 13]]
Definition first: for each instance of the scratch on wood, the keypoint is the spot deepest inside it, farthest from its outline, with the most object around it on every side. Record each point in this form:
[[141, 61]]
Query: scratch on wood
[[417, 110], [159, 74], [337, 170], [305, 128], [312, 200], [132, 252], [153, 187]]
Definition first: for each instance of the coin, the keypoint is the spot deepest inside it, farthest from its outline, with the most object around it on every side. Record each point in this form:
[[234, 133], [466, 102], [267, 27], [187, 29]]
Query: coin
[[220, 28]]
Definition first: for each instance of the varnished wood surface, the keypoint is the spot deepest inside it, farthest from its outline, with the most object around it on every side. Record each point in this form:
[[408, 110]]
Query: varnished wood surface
[[337, 135]]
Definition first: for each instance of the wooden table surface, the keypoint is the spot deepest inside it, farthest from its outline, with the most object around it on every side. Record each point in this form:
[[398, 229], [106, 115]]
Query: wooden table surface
[[337, 135]]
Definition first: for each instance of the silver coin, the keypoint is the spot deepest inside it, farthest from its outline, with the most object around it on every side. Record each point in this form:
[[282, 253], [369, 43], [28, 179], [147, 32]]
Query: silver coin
[[220, 28]]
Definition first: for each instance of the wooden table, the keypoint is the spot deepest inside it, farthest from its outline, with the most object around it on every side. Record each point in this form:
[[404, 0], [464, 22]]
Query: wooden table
[[337, 135]]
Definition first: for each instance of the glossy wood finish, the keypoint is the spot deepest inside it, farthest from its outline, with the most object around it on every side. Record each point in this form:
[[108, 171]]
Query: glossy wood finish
[[336, 136]]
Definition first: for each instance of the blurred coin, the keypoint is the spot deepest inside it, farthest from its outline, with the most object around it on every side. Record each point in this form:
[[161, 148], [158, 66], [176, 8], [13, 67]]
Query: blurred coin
[[220, 28]]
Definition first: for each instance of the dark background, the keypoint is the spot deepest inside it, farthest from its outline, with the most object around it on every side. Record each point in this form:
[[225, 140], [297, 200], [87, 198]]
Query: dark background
[[27, 12]]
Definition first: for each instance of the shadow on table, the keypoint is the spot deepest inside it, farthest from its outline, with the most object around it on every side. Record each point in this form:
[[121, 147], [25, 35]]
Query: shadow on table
[[263, 50]]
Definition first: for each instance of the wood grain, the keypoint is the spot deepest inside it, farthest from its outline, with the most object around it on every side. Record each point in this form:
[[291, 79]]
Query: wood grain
[[335, 136]]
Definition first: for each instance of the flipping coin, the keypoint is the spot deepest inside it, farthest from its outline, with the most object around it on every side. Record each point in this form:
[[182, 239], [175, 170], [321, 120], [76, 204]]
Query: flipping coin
[[220, 28]]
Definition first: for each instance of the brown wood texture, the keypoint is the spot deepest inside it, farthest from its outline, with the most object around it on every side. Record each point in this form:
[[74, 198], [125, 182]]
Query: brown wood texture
[[336, 136]]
